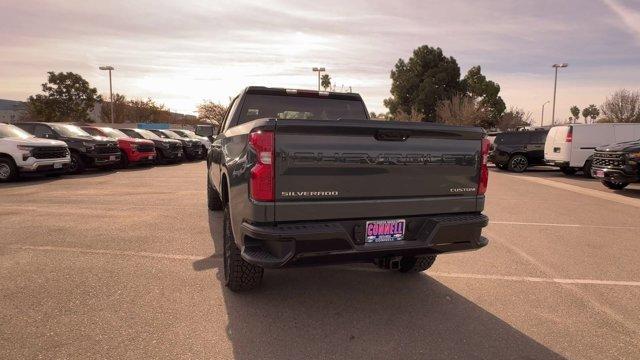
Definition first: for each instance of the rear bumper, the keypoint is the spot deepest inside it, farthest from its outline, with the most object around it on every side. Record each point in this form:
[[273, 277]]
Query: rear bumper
[[557, 163], [343, 241]]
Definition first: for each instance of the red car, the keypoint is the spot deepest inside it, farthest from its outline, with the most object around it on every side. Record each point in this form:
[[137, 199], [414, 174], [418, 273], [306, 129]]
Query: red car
[[134, 151]]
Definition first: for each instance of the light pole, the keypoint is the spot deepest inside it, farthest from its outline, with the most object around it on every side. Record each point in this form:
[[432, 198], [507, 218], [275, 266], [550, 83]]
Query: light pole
[[318, 70], [110, 88], [555, 83], [542, 117]]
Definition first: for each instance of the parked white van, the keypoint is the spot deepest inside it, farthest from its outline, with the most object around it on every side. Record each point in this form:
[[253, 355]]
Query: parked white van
[[571, 147]]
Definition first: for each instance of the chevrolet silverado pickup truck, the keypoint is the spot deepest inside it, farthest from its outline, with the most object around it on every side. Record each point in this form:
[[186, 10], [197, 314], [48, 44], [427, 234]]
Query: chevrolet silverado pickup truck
[[306, 178], [191, 147], [167, 150], [132, 150], [617, 165], [22, 153], [86, 150]]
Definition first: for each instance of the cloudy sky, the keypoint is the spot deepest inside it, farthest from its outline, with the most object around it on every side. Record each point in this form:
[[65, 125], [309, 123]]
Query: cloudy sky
[[181, 53]]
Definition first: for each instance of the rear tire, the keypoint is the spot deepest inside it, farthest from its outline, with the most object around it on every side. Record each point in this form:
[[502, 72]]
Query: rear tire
[[214, 200], [239, 275], [568, 170], [416, 264], [586, 169], [159, 157], [518, 163], [8, 170], [614, 185]]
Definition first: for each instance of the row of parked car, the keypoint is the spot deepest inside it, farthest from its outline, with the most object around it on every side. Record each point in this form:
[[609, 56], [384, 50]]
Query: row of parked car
[[609, 152], [54, 148]]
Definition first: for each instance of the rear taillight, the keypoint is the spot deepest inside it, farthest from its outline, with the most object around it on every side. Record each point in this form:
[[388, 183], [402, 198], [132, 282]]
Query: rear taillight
[[569, 137], [262, 182], [484, 170]]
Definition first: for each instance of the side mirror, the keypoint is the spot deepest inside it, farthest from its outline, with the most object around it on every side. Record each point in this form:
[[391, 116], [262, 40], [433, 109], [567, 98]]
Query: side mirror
[[207, 130]]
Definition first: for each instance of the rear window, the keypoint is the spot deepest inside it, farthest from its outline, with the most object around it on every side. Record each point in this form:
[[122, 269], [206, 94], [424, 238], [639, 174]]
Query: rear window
[[538, 137], [512, 139], [258, 106]]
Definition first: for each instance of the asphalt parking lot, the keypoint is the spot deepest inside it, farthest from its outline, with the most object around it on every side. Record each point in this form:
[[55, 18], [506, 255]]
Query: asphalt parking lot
[[127, 264]]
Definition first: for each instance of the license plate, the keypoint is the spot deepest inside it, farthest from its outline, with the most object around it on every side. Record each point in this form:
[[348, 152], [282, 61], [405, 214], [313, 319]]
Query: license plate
[[600, 173], [384, 230], [150, 157], [57, 166], [112, 158]]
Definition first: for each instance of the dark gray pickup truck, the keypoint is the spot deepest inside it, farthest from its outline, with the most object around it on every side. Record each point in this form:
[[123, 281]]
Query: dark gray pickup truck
[[305, 177]]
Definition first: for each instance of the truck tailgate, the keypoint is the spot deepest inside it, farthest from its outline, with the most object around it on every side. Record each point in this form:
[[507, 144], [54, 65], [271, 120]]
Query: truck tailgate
[[367, 169]]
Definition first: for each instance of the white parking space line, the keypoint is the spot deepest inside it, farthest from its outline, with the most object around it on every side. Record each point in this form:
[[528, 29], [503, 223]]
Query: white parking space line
[[580, 190], [113, 252], [536, 279], [562, 225]]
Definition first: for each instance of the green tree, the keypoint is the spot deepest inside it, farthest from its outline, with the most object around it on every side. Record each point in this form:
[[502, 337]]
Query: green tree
[[325, 81], [419, 83], [67, 97], [211, 112], [147, 111], [575, 112], [120, 109], [476, 85], [591, 112]]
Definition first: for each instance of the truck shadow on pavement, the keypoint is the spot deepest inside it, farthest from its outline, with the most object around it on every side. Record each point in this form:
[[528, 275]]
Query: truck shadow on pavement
[[358, 311]]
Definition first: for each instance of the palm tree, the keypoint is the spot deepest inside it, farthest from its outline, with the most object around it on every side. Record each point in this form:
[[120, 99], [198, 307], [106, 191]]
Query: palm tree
[[325, 81]]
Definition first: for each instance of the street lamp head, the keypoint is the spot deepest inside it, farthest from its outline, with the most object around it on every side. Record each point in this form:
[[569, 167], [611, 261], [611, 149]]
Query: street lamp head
[[106, 68], [563, 65]]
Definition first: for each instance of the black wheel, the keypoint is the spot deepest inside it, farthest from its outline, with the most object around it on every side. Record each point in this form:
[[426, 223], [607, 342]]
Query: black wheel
[[416, 264], [614, 185], [8, 170], [77, 164], [124, 160], [239, 275], [159, 157], [214, 200], [518, 163], [568, 170], [586, 169]]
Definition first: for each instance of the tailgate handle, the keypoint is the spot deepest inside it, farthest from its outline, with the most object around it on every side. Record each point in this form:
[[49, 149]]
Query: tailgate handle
[[392, 135]]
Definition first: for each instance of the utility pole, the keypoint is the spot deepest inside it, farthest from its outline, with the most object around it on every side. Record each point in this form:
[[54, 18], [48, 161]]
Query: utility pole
[[542, 117], [109, 68], [555, 83], [319, 70]]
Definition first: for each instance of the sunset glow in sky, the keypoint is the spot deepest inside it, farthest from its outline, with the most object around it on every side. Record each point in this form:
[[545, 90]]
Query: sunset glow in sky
[[181, 53]]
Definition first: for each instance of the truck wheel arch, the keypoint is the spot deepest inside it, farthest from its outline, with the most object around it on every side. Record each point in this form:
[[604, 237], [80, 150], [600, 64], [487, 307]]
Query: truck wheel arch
[[224, 189]]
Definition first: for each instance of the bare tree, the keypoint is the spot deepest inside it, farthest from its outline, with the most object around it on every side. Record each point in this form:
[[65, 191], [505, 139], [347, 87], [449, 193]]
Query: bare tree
[[513, 119], [211, 112], [622, 106], [462, 110]]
